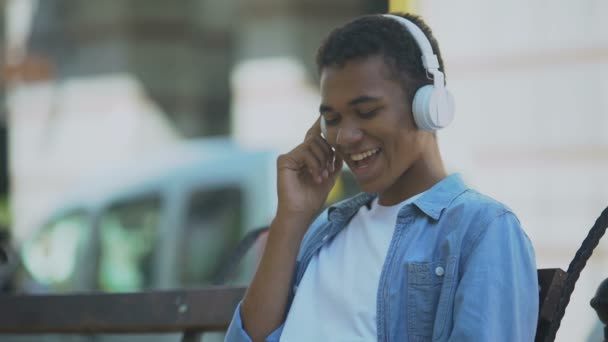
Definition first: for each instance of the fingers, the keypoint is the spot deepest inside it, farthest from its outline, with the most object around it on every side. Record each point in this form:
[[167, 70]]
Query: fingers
[[314, 165], [320, 158], [314, 156], [322, 146]]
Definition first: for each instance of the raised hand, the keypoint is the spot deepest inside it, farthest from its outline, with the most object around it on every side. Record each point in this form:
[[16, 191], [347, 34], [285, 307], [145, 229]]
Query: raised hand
[[306, 175]]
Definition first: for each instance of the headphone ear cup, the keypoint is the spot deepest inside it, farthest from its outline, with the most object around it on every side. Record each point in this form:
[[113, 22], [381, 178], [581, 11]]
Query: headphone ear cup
[[433, 108], [446, 109], [421, 108]]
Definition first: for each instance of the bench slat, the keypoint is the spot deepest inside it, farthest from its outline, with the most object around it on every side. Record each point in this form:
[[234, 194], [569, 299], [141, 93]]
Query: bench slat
[[209, 309]]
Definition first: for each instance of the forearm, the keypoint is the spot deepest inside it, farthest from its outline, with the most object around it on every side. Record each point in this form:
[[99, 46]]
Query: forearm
[[263, 307]]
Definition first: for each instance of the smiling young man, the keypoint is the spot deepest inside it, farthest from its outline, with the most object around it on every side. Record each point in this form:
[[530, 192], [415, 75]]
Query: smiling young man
[[418, 256]]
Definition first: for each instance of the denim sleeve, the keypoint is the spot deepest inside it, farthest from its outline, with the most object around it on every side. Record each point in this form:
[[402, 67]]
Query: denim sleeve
[[497, 297], [236, 332]]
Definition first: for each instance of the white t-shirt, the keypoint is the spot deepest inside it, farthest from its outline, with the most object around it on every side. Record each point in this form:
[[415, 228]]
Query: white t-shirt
[[336, 298]]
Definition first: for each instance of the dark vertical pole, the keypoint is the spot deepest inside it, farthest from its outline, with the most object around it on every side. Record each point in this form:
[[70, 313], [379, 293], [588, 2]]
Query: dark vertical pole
[[4, 174]]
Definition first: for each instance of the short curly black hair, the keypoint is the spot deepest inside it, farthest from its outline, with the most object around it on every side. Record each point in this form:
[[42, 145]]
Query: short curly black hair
[[372, 35]]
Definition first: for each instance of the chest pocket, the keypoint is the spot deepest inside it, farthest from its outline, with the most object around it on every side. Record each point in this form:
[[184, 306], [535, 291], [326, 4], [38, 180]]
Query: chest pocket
[[424, 287]]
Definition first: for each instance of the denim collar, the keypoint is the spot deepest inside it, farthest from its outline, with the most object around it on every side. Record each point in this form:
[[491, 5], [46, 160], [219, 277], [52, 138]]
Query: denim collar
[[440, 196], [348, 207], [432, 202]]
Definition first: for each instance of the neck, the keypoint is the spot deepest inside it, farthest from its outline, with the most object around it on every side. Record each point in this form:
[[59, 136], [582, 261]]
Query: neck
[[421, 176]]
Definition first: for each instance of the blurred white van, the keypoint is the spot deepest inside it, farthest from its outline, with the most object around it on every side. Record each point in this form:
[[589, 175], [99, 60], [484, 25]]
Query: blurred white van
[[161, 222]]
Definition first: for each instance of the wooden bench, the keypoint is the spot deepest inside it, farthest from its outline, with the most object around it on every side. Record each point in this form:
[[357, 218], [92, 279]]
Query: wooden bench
[[190, 312]]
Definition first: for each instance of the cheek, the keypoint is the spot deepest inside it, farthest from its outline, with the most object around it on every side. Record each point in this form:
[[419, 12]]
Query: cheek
[[402, 136], [403, 148], [401, 122], [398, 134]]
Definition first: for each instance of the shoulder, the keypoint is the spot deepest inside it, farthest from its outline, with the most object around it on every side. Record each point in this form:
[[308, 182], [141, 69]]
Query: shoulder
[[480, 215], [478, 207], [471, 214], [472, 201]]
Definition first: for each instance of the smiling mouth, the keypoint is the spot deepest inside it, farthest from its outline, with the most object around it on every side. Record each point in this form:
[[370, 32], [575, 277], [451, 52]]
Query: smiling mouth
[[362, 159]]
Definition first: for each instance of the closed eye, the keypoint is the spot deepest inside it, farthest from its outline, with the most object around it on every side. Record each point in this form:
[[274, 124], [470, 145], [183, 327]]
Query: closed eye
[[369, 114]]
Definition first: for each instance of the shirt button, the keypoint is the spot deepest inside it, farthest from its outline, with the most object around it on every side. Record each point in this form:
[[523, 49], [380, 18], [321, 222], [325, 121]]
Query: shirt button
[[439, 271], [325, 238]]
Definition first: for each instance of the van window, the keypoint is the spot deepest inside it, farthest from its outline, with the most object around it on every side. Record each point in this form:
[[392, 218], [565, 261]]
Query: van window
[[128, 234], [213, 227], [51, 256]]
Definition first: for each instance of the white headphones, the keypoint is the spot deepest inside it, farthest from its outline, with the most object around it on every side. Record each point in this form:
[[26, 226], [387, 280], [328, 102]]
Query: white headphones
[[433, 105]]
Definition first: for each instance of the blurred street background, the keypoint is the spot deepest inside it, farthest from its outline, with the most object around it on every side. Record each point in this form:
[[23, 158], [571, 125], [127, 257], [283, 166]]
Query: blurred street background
[[138, 137]]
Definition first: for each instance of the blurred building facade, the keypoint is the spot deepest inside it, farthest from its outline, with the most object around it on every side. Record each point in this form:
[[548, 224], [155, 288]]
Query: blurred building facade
[[531, 122]]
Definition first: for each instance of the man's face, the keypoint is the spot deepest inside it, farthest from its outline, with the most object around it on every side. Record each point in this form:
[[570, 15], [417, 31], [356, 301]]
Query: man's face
[[370, 123]]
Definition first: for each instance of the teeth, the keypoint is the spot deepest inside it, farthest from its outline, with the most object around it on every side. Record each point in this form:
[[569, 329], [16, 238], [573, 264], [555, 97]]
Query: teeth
[[361, 156]]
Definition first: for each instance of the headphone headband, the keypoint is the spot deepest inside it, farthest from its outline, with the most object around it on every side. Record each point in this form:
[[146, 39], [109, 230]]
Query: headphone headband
[[430, 62]]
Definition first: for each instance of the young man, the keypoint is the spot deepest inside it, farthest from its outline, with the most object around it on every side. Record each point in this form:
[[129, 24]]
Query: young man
[[418, 256]]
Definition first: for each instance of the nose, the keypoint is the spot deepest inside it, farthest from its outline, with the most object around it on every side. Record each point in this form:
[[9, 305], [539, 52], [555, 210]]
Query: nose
[[348, 136]]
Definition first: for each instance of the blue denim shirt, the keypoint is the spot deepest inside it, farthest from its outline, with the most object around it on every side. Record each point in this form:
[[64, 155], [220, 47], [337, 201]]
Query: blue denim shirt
[[459, 268]]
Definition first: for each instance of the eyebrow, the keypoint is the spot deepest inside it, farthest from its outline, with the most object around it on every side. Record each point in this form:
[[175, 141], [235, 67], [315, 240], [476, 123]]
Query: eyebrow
[[358, 100]]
